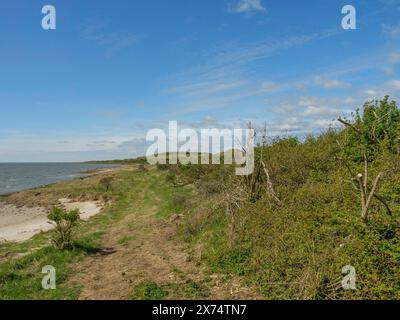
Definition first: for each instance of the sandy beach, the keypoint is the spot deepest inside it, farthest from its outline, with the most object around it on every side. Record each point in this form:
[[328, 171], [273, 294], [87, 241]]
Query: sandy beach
[[24, 214], [21, 223]]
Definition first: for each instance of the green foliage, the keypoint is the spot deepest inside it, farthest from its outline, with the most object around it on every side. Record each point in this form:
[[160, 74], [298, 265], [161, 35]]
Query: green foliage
[[189, 289], [64, 222], [139, 160], [132, 192], [292, 249], [374, 130], [296, 248], [20, 279], [186, 288]]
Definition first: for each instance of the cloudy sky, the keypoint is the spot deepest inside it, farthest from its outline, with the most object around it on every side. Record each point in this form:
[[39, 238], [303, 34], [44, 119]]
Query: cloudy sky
[[112, 70]]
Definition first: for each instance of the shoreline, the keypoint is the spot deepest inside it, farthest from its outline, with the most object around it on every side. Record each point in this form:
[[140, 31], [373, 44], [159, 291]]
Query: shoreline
[[21, 220], [22, 223], [78, 175]]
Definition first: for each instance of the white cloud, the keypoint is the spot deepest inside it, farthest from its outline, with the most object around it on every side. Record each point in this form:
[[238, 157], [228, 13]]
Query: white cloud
[[370, 93], [322, 106], [308, 114], [331, 83], [394, 84], [247, 6], [320, 111], [391, 88], [225, 78]]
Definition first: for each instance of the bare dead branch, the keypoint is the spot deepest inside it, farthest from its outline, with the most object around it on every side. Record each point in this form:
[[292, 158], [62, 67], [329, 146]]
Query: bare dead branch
[[365, 171], [359, 177], [364, 213], [270, 188], [348, 124]]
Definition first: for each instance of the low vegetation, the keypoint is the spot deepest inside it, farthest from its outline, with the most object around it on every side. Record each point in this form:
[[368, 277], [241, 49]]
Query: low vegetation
[[135, 227], [139, 160], [311, 207], [64, 224], [149, 291]]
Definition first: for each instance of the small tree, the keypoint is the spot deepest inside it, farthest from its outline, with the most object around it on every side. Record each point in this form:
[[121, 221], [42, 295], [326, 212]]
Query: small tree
[[370, 134], [64, 222], [106, 183]]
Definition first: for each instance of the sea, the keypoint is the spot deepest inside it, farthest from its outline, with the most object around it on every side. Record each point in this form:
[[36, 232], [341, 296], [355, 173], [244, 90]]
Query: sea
[[21, 176]]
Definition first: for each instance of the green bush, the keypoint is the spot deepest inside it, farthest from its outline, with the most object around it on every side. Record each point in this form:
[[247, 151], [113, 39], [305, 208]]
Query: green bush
[[374, 130], [64, 222], [295, 248]]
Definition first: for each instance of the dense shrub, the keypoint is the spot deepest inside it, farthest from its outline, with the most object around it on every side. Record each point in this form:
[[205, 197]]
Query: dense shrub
[[295, 248], [374, 129], [64, 222]]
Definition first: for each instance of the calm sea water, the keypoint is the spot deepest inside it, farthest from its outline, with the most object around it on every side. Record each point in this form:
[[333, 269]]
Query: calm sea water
[[21, 176]]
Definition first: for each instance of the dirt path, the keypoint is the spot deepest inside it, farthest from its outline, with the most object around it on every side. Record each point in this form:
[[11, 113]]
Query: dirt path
[[142, 248]]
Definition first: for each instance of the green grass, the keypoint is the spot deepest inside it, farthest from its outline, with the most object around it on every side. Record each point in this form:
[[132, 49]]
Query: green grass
[[188, 289], [21, 263], [21, 278], [149, 291]]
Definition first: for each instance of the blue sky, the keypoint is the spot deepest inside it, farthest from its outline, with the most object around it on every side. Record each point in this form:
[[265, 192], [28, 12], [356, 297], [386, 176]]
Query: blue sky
[[112, 70]]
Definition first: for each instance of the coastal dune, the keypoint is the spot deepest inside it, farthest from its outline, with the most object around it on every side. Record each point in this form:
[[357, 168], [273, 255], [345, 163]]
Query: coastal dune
[[22, 223]]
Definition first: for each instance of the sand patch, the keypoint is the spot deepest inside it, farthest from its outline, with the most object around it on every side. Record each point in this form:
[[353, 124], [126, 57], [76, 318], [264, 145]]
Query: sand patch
[[22, 223], [87, 209]]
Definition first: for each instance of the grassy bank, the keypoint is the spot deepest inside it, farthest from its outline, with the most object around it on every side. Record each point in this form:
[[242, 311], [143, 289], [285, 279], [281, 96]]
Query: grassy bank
[[291, 231], [21, 263], [130, 250]]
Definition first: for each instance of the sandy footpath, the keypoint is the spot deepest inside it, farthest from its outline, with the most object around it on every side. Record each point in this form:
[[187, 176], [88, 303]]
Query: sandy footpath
[[21, 223]]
